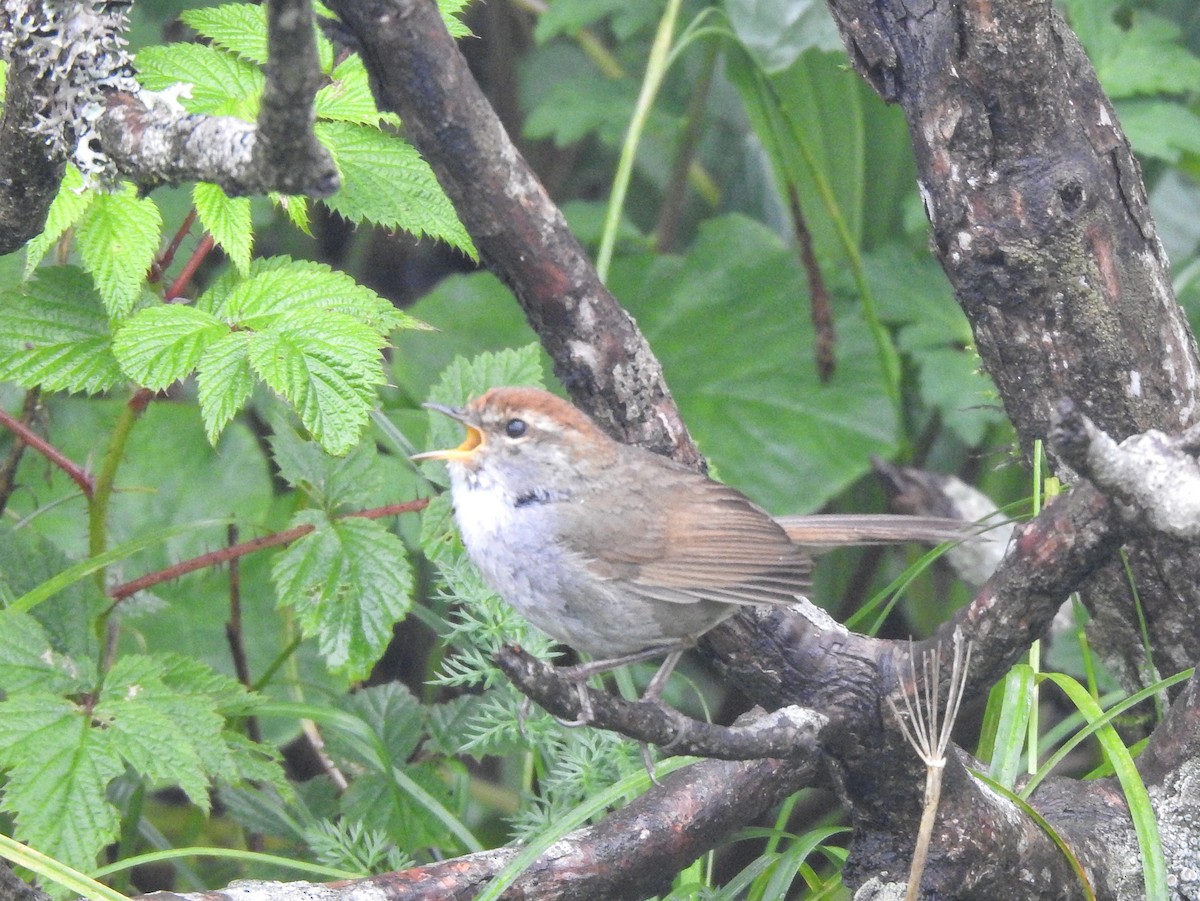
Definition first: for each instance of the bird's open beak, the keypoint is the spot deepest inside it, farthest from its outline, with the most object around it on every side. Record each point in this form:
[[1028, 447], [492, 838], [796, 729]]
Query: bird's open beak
[[465, 450]]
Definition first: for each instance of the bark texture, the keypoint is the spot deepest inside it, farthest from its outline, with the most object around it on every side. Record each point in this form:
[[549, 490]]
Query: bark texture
[[1041, 223], [600, 355]]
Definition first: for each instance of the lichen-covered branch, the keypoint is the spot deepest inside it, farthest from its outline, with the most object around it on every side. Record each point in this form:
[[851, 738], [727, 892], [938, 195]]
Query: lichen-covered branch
[[1153, 476], [61, 57], [71, 94], [154, 141]]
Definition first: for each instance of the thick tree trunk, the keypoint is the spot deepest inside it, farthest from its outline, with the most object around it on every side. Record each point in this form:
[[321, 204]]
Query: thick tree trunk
[[1040, 220]]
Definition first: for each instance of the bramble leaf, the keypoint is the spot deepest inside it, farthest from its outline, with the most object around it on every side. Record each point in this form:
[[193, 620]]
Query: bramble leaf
[[27, 659], [222, 84], [118, 239], [55, 334], [224, 381], [348, 97], [332, 482], [240, 28], [58, 768], [227, 219], [278, 285], [162, 344], [349, 581], [161, 715], [68, 206], [385, 181], [327, 366]]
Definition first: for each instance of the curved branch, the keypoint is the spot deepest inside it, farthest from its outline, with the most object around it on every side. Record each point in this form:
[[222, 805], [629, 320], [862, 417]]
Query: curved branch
[[788, 732]]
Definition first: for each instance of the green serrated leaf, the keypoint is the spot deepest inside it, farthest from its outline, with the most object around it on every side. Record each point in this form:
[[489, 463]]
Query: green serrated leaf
[[224, 381], [332, 482], [149, 726], [327, 366], [349, 581], [67, 208], [58, 771], [227, 219], [222, 84], [118, 239], [394, 716], [240, 28], [27, 659], [27, 560], [279, 285], [385, 181], [55, 333], [451, 10], [255, 762], [447, 723], [189, 676], [348, 97], [160, 345], [296, 209]]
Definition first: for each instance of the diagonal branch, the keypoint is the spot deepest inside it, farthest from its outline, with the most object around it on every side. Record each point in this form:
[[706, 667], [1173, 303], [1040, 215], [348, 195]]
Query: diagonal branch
[[599, 354]]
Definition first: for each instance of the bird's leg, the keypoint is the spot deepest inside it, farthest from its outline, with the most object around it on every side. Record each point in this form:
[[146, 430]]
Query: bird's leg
[[654, 690], [581, 672]]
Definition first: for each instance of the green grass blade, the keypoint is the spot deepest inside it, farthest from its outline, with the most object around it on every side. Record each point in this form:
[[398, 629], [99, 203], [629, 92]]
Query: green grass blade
[[59, 873], [1011, 725], [275, 860], [633, 783], [1045, 826], [1094, 724], [1154, 865]]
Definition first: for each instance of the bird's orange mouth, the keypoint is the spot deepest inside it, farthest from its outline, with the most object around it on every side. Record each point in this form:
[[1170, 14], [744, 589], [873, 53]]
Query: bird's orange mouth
[[462, 453]]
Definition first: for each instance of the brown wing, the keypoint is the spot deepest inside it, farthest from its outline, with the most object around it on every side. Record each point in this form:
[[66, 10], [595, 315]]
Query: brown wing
[[706, 542]]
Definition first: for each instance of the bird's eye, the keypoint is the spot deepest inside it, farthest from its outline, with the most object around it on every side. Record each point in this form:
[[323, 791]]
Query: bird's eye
[[515, 428]]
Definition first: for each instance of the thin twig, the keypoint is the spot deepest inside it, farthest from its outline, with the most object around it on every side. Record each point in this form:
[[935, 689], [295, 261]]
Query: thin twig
[[189, 268], [317, 742], [233, 630], [824, 337], [167, 256], [225, 554], [77, 473], [8, 470]]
